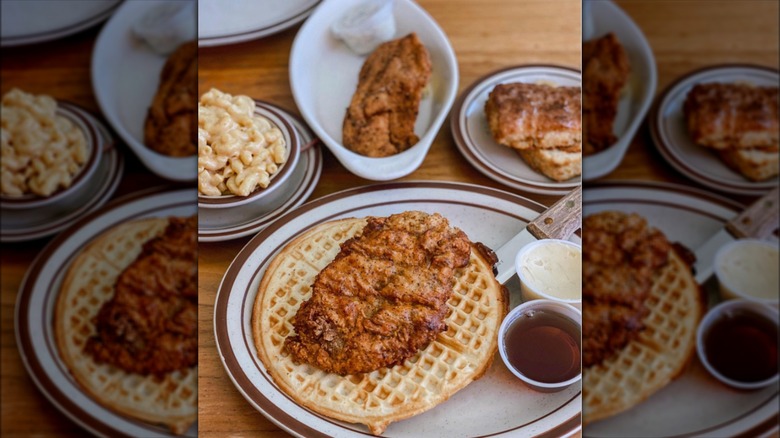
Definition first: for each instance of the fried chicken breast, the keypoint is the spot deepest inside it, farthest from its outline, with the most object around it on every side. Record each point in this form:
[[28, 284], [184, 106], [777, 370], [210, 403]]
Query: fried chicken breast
[[380, 119], [621, 258], [383, 298], [524, 116], [172, 120], [605, 73], [150, 325]]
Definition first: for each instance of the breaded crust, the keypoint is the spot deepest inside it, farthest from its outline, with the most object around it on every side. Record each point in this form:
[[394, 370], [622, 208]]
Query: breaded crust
[[381, 116], [605, 74], [523, 116], [730, 115], [171, 123]]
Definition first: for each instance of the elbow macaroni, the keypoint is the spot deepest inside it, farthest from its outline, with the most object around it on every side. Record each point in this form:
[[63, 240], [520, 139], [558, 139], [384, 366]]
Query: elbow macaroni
[[41, 151], [238, 150]]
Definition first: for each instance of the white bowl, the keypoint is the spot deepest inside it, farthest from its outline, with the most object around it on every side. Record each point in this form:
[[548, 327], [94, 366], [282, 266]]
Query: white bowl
[[94, 142], [125, 79], [742, 265], [530, 288], [273, 193], [548, 305], [639, 93], [713, 315], [324, 76]]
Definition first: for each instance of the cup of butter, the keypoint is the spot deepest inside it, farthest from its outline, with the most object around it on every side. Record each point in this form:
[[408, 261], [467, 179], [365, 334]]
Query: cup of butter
[[551, 269]]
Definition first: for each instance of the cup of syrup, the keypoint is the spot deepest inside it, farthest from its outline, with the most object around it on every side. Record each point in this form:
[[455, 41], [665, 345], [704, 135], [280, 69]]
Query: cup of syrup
[[540, 341], [737, 343]]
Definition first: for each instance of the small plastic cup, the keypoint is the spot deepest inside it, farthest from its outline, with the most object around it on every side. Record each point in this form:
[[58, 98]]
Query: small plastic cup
[[728, 309], [525, 310], [747, 269], [551, 269]]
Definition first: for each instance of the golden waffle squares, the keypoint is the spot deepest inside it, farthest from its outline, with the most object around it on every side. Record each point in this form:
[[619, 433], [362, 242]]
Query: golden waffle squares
[[458, 356], [172, 400], [657, 356]]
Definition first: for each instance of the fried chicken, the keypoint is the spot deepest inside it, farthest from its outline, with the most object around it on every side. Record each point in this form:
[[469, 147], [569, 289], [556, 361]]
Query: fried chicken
[[605, 73], [172, 121], [622, 257], [150, 325], [725, 116], [380, 119], [383, 298], [524, 116]]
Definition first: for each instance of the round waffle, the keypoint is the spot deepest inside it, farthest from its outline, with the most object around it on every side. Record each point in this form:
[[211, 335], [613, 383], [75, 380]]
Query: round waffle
[[657, 356], [458, 356], [171, 400]]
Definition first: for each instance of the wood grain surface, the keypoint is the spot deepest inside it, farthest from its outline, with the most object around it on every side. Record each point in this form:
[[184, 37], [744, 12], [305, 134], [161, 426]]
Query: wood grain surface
[[486, 35]]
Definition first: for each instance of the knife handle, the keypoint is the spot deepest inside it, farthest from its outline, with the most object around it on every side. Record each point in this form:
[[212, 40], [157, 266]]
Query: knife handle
[[759, 220], [560, 220]]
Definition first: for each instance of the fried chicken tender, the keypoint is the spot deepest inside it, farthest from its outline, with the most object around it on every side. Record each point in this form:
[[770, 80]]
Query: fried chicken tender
[[380, 119], [172, 120], [383, 298], [150, 325], [622, 256], [604, 75]]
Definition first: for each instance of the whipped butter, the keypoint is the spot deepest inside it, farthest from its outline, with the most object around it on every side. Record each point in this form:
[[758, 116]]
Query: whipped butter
[[364, 27], [748, 269], [551, 269]]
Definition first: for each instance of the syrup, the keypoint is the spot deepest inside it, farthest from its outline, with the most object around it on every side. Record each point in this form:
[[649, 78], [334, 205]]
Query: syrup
[[544, 346], [742, 346]]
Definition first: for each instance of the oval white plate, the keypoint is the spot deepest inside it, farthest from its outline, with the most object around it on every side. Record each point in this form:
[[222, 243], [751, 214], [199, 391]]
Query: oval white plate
[[37, 299], [606, 17], [226, 22], [670, 131], [29, 22], [226, 224], [23, 225], [324, 76], [125, 78], [695, 404], [473, 411], [472, 134]]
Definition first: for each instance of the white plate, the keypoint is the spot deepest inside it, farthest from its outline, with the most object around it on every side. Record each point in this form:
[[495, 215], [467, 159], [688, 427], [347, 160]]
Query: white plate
[[696, 404], [29, 22], [498, 404], [472, 134], [227, 22], [216, 225], [324, 76], [125, 78], [24, 225], [670, 131], [37, 299], [638, 94]]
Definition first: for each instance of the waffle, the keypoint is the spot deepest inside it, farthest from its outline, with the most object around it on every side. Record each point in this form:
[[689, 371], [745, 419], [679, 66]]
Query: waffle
[[657, 356], [171, 400], [456, 357]]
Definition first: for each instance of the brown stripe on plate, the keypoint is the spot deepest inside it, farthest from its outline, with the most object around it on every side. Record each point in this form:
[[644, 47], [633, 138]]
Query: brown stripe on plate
[[273, 28], [62, 31]]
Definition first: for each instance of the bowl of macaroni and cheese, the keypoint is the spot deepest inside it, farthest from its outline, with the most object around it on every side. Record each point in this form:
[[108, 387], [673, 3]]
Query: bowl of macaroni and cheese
[[48, 151], [246, 151]]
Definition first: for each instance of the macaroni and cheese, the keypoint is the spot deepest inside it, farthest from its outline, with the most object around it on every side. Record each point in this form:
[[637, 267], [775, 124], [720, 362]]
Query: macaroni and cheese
[[41, 151], [238, 150]]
